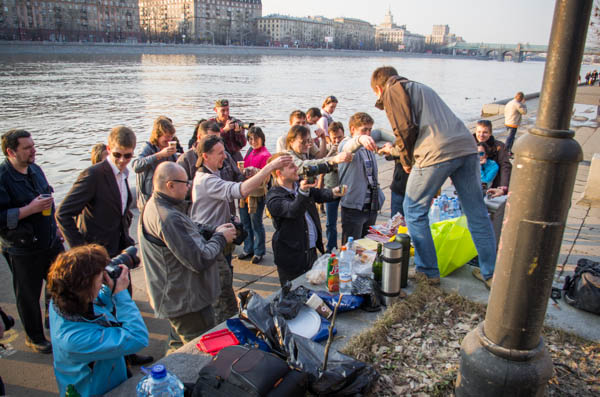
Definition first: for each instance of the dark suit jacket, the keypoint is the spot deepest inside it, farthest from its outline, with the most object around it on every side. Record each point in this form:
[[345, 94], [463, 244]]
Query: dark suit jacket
[[96, 200], [290, 240]]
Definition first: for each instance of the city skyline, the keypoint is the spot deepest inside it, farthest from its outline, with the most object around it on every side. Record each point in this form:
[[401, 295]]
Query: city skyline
[[510, 21]]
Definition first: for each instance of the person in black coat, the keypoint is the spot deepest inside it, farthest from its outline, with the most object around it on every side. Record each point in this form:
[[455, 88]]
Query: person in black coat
[[298, 232]]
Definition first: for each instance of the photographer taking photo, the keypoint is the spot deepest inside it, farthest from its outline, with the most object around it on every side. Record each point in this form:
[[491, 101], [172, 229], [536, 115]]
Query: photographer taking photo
[[298, 232], [94, 322]]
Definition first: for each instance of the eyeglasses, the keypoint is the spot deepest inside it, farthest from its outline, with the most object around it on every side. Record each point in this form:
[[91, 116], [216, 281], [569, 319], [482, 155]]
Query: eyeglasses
[[118, 155], [188, 183], [305, 141]]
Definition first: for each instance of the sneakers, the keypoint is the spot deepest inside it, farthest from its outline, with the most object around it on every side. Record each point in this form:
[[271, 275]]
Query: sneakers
[[477, 274], [257, 259], [245, 256], [44, 347]]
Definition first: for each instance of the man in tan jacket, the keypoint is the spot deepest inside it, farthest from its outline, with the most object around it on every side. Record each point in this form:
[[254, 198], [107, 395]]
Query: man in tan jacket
[[512, 118], [433, 144]]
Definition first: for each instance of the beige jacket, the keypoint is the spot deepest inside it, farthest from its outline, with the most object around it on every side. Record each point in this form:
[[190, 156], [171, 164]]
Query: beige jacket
[[513, 112]]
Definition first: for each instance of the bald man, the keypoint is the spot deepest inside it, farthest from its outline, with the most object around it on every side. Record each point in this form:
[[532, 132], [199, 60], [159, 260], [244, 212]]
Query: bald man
[[180, 257]]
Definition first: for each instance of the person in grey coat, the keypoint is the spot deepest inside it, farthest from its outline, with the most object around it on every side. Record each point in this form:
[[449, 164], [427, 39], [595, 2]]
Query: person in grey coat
[[161, 147], [180, 257]]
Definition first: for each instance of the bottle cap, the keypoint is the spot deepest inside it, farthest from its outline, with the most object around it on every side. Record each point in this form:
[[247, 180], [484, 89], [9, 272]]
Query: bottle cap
[[158, 371], [343, 248]]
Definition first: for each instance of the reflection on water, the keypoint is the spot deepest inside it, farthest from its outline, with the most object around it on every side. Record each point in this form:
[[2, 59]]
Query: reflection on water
[[70, 102]]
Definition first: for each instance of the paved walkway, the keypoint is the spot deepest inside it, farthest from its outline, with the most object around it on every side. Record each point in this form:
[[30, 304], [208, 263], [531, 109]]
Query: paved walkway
[[30, 374]]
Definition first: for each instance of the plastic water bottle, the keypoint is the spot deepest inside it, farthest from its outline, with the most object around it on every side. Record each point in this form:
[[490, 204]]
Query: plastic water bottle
[[434, 212], [159, 383], [345, 267], [457, 211]]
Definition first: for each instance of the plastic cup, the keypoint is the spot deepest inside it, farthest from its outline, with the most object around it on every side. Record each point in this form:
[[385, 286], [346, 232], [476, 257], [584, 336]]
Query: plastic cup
[[48, 211], [173, 144]]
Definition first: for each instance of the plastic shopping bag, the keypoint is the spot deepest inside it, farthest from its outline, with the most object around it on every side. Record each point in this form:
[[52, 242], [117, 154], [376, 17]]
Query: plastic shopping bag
[[453, 244]]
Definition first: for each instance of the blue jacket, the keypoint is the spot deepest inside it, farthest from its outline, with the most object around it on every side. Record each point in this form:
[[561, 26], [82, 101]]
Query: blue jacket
[[489, 170], [89, 354], [36, 232]]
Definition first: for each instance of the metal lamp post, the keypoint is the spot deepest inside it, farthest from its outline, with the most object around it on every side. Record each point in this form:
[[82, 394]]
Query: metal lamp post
[[506, 355]]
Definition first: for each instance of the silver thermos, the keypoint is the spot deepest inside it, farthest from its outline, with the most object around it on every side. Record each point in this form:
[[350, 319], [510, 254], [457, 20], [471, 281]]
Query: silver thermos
[[394, 274]]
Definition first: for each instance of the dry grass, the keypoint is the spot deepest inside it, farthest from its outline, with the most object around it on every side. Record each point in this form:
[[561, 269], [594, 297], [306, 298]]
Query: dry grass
[[415, 346]]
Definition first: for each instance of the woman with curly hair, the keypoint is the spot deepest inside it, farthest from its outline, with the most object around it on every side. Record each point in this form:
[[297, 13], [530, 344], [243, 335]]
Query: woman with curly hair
[[94, 322]]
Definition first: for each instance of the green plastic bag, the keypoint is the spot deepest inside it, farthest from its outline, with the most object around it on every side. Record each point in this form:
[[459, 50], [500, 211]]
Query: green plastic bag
[[453, 244]]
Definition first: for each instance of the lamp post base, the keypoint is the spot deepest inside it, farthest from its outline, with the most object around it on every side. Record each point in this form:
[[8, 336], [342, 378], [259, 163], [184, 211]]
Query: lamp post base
[[487, 369]]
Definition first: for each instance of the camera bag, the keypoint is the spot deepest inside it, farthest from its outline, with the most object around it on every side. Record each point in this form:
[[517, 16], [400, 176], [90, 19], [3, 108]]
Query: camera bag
[[582, 290], [240, 371]]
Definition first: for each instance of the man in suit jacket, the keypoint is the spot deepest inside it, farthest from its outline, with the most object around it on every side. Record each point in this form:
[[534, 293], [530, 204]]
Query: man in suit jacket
[[100, 198]]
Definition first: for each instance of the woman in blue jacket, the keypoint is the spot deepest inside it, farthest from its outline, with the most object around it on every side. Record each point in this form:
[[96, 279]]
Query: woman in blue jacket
[[489, 168], [88, 340]]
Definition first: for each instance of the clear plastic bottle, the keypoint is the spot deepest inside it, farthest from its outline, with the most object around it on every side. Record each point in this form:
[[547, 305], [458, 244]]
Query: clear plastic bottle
[[345, 267], [457, 211], [159, 383], [434, 212]]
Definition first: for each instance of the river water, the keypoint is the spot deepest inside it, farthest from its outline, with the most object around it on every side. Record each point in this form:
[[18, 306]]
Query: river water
[[70, 101]]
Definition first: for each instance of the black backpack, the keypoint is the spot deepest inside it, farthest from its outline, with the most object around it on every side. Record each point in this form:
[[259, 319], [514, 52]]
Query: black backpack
[[239, 371], [582, 290]]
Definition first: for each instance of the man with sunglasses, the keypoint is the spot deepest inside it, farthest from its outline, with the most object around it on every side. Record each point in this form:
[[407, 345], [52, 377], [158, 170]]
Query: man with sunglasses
[[181, 257], [100, 198], [96, 209]]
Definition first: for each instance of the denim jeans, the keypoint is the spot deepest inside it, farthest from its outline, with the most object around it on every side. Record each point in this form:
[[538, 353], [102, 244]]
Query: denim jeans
[[397, 200], [331, 208], [423, 183], [253, 224], [511, 138]]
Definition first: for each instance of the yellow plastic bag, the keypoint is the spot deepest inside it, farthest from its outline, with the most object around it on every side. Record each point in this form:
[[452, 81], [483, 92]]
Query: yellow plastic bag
[[453, 244]]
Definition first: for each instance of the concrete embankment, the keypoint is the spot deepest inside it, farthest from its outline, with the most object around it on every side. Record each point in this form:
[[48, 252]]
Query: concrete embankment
[[27, 47]]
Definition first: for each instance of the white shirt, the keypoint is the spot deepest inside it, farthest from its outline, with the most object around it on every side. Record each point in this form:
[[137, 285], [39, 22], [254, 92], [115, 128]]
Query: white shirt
[[121, 177]]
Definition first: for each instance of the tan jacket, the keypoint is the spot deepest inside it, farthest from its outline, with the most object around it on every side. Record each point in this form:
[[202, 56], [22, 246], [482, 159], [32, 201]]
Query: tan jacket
[[513, 112], [439, 134]]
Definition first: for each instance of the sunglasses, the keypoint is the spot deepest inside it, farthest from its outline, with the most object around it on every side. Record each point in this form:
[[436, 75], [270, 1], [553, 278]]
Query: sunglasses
[[481, 154], [331, 99], [188, 183], [118, 155]]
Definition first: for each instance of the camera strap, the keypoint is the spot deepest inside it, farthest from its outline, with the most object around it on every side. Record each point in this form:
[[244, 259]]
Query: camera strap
[[148, 236]]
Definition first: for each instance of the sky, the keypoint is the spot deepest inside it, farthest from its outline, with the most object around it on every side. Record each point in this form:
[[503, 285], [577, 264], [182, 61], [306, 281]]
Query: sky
[[499, 21]]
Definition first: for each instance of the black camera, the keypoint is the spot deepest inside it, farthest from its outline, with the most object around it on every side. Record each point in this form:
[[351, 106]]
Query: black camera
[[309, 172], [247, 126], [128, 258], [8, 321], [240, 232]]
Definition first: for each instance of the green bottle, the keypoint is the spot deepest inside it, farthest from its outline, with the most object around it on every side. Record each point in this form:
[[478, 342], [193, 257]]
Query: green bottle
[[72, 392], [378, 264]]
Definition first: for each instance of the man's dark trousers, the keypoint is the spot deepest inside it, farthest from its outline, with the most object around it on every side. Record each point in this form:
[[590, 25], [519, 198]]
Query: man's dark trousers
[[28, 273], [356, 223]]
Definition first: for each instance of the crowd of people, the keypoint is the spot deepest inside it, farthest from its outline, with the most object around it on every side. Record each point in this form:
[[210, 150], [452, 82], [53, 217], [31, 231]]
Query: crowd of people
[[195, 206]]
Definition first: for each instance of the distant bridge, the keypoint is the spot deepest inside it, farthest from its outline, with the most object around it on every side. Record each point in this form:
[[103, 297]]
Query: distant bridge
[[517, 52]]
